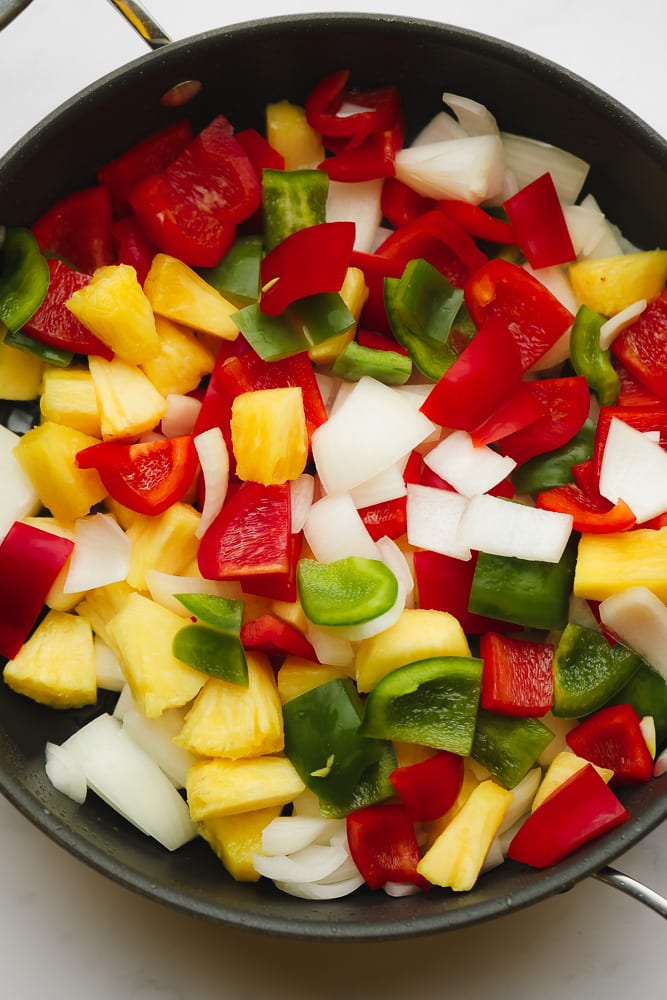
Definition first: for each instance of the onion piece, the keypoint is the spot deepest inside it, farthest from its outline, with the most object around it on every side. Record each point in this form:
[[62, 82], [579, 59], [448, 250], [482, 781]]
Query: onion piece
[[287, 834], [472, 116], [634, 469], [494, 856], [101, 554], [302, 491], [611, 328], [18, 498], [639, 619], [180, 415], [529, 158], [318, 890], [358, 202], [328, 386], [331, 649], [163, 586], [500, 527], [399, 889], [387, 485], [393, 557], [156, 738], [124, 704], [214, 462], [647, 727], [556, 280], [108, 672], [439, 129], [334, 530], [585, 224], [469, 469], [309, 864], [471, 169], [65, 772], [660, 766], [433, 519], [522, 797]]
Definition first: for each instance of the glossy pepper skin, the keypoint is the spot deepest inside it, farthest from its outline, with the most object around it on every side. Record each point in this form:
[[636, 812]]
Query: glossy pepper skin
[[24, 278], [518, 675], [612, 738], [641, 348], [590, 360], [383, 845], [78, 229], [538, 223], [588, 671], [54, 324], [429, 788], [509, 746]]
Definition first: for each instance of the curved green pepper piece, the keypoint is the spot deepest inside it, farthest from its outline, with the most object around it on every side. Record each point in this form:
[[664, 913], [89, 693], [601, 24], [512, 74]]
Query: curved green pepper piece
[[388, 367], [430, 356], [554, 468], [508, 746], [237, 276], [345, 592], [646, 691], [24, 277], [589, 359], [213, 643], [292, 200], [304, 324], [588, 671], [432, 702]]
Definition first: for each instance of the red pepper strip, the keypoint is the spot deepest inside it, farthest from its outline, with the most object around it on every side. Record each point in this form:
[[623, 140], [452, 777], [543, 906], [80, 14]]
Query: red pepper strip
[[590, 513], [371, 159], [477, 222], [261, 153], [378, 342], [308, 261], [376, 269], [383, 845], [536, 318], [389, 517], [401, 204], [54, 324], [443, 584], [78, 229], [537, 219], [567, 404], [642, 347], [326, 99], [30, 560], [272, 635], [149, 156], [439, 240], [580, 809], [632, 392], [483, 377], [277, 586], [132, 246], [429, 789], [520, 410], [518, 675], [251, 534], [642, 418], [412, 473], [147, 477], [613, 738]]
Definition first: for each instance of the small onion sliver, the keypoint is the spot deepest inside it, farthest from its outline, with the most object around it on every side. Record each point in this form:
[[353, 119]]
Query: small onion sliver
[[101, 554], [309, 864], [319, 890], [287, 834], [65, 772], [180, 416], [214, 462], [302, 491], [474, 117], [610, 329]]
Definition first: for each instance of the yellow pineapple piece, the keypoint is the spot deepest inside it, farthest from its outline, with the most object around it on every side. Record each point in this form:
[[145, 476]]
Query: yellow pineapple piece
[[562, 767], [288, 131], [610, 284], [114, 307], [354, 293], [165, 542], [143, 633], [290, 612], [269, 435], [68, 397], [417, 635], [178, 293], [296, 676], [219, 787], [56, 598], [235, 839], [123, 515], [408, 754], [609, 563], [455, 859], [20, 372], [128, 402], [102, 604], [228, 720], [435, 827], [47, 454], [56, 666], [182, 361]]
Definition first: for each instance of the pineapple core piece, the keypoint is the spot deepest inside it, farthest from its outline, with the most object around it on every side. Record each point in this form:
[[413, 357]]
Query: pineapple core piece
[[56, 666], [269, 435], [235, 839], [219, 787], [178, 293]]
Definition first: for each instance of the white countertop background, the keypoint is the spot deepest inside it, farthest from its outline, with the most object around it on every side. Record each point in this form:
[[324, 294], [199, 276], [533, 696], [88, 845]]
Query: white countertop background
[[68, 932]]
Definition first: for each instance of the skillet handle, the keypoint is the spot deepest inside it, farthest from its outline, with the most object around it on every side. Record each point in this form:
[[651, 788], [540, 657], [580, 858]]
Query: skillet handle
[[642, 893], [9, 9], [142, 22]]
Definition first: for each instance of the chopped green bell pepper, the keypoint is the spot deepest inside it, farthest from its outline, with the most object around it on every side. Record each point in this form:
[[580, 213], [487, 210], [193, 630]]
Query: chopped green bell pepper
[[388, 367], [588, 671], [426, 301], [304, 324], [555, 467], [432, 702], [646, 691], [213, 644], [432, 357], [589, 359], [292, 200], [237, 276], [24, 277], [52, 355], [509, 746], [345, 592]]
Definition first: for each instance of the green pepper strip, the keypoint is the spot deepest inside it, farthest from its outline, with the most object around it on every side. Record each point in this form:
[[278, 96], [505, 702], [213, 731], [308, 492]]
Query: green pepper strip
[[590, 360], [555, 467], [588, 671], [237, 276], [213, 644], [304, 324], [24, 278], [508, 746], [356, 360], [292, 200], [52, 355]]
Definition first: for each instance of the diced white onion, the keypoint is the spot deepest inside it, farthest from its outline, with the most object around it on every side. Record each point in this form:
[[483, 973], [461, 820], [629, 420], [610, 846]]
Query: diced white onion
[[399, 889], [334, 530], [101, 554], [433, 518], [470, 169], [156, 738], [302, 491], [180, 415], [309, 864], [439, 129], [639, 619], [494, 856], [124, 704], [585, 224], [580, 613], [214, 461], [522, 797], [393, 557], [556, 280], [387, 485], [319, 890], [529, 158], [358, 202], [331, 649], [634, 469], [501, 527], [474, 117], [163, 586], [18, 497], [469, 469], [65, 772], [108, 671], [287, 834], [611, 328], [328, 386]]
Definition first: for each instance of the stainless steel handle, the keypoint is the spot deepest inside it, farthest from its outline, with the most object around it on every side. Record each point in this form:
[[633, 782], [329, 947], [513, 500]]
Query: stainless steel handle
[[9, 9], [142, 22], [631, 887]]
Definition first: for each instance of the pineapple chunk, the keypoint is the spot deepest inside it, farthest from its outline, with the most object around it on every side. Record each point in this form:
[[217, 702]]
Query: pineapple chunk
[[354, 293], [290, 612], [123, 515], [296, 676], [607, 564], [128, 402], [408, 754], [100, 605], [165, 542], [68, 397], [114, 308], [20, 372], [288, 131], [182, 361], [47, 455], [178, 293], [269, 435], [143, 633], [235, 839], [219, 787], [456, 857], [610, 284], [417, 635], [435, 827], [56, 666], [562, 767], [228, 720], [56, 598]]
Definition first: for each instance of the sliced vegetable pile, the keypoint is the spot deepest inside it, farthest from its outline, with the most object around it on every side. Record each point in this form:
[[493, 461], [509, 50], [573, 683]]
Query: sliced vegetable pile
[[351, 479]]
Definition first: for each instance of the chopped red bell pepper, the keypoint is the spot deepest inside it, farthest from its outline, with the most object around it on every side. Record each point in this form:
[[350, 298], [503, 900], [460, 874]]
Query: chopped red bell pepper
[[439, 240], [376, 269], [54, 324], [30, 560], [389, 517], [373, 158], [429, 789], [401, 204], [261, 153], [483, 377], [642, 347], [381, 108], [277, 586], [148, 156], [613, 738], [517, 678], [271, 634], [632, 392], [310, 260], [78, 229], [580, 809], [251, 534], [642, 418], [132, 246], [412, 473], [147, 477], [591, 513], [505, 290], [443, 584], [567, 404], [477, 222], [379, 342], [520, 410], [383, 845], [536, 216]]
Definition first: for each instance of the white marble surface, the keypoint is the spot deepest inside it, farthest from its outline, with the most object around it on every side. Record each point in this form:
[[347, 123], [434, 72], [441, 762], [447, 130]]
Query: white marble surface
[[67, 932]]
